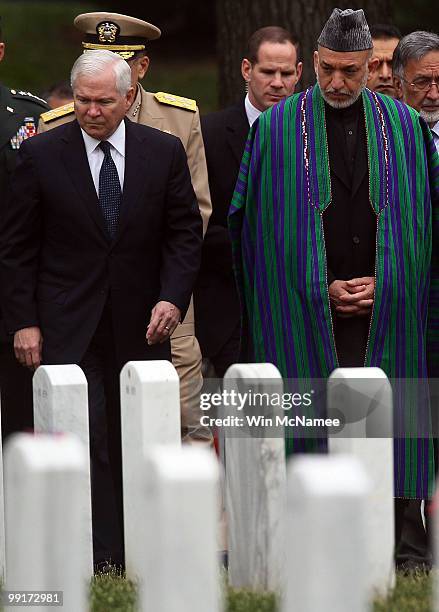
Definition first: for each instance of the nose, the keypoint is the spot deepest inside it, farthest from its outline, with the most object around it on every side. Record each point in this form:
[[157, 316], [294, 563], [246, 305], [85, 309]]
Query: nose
[[337, 81], [386, 71], [94, 109], [277, 80]]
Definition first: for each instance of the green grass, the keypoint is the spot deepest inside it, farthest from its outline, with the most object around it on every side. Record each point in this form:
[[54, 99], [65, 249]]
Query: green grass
[[111, 593], [411, 594], [42, 44]]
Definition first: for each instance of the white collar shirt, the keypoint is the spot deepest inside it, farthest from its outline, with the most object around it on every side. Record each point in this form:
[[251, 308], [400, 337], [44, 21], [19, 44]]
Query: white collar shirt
[[95, 155], [435, 132], [251, 111]]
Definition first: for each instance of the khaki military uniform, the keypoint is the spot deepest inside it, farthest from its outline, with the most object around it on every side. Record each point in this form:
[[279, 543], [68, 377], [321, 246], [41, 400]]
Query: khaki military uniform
[[180, 117]]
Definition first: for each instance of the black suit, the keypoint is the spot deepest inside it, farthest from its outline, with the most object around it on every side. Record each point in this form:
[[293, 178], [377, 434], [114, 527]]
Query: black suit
[[92, 296], [217, 312]]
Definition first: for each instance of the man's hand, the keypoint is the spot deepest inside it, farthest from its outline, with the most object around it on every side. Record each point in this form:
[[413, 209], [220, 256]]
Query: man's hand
[[353, 298], [28, 343], [164, 319]]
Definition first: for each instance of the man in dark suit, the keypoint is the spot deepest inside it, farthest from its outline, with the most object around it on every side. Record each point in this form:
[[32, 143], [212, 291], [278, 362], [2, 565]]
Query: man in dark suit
[[99, 251], [270, 70]]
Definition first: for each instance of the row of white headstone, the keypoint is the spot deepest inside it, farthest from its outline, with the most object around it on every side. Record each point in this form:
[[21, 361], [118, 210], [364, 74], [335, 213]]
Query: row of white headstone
[[320, 532]]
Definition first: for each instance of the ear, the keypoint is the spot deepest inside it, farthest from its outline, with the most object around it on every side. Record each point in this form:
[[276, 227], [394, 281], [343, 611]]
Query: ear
[[398, 88], [299, 70], [2, 51], [316, 60], [129, 99], [143, 66], [246, 70], [374, 62]]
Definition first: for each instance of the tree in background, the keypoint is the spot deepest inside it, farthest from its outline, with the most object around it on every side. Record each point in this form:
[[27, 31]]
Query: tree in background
[[237, 19]]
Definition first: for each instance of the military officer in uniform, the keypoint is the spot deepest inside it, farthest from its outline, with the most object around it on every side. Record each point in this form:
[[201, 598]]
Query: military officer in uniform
[[19, 115], [179, 116]]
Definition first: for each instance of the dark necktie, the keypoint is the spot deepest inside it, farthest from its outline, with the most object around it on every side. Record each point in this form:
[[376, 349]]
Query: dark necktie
[[110, 194]]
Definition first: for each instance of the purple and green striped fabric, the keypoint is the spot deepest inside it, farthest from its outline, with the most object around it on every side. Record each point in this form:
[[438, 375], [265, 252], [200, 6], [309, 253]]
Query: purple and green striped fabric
[[276, 225]]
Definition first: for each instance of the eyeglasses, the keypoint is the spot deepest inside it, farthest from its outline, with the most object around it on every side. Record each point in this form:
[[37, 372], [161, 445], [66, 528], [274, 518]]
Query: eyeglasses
[[422, 83]]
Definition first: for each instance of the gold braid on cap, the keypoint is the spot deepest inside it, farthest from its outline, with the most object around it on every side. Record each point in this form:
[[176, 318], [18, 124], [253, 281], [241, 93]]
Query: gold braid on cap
[[125, 51], [113, 47]]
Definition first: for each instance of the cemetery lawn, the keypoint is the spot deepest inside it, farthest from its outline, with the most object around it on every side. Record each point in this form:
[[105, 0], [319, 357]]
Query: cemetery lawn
[[112, 593]]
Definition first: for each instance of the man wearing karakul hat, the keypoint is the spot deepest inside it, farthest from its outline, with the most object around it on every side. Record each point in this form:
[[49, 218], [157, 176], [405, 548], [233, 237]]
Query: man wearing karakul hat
[[331, 225]]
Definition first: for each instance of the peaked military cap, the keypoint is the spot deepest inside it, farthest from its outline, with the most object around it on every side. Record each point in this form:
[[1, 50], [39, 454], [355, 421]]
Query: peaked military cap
[[346, 31], [115, 32]]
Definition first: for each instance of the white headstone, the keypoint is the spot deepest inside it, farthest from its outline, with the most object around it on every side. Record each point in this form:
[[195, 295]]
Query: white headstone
[[326, 538], [44, 487], [255, 483], [61, 406], [179, 495], [150, 415], [363, 399]]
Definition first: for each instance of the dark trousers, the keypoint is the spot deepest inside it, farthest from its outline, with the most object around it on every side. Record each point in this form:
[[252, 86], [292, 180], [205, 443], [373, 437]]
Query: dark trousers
[[413, 546], [15, 392], [102, 372], [228, 354]]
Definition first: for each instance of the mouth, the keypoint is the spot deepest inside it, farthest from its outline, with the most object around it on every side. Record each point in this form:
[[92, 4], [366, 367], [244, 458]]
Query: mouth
[[338, 95], [388, 87]]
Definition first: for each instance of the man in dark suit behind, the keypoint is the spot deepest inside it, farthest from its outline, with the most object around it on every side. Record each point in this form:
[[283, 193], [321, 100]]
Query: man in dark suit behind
[[270, 70], [99, 251]]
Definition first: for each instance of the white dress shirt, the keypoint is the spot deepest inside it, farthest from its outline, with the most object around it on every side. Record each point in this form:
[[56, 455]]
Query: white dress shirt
[[435, 132], [251, 111], [95, 155]]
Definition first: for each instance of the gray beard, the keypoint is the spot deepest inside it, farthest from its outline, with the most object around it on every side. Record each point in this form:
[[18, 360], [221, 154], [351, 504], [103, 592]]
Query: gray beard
[[350, 100], [431, 117]]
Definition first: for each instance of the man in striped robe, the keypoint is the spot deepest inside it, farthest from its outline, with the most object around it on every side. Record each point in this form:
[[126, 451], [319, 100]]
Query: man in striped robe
[[332, 222]]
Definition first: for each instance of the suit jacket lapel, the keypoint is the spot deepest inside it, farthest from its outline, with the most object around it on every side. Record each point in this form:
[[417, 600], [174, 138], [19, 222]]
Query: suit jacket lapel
[[135, 179], [74, 157], [237, 128]]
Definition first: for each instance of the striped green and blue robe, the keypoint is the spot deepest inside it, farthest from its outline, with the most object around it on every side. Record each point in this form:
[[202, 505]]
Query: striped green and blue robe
[[276, 226]]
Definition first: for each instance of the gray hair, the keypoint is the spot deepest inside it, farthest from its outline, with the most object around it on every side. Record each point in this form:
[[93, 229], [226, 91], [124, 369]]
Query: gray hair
[[413, 47], [92, 63]]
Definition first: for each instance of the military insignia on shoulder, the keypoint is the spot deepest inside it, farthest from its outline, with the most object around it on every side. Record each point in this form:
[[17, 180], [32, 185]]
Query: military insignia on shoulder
[[179, 101], [27, 130], [27, 94], [55, 113]]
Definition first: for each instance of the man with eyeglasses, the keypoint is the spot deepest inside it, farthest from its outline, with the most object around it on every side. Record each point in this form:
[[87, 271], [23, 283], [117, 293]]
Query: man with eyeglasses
[[416, 79], [416, 75]]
